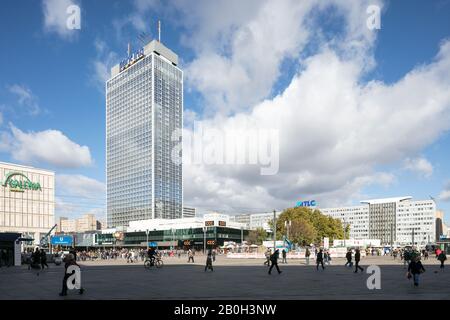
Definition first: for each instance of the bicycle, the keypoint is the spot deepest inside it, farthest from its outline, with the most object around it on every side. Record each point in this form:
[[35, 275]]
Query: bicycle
[[158, 263]]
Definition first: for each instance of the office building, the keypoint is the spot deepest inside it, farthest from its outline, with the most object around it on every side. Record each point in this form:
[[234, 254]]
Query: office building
[[88, 222], [27, 201], [400, 220], [356, 217], [253, 221], [144, 108], [441, 227], [189, 212]]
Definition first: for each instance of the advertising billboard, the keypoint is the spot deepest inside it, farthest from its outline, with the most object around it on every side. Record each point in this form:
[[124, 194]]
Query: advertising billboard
[[62, 240]]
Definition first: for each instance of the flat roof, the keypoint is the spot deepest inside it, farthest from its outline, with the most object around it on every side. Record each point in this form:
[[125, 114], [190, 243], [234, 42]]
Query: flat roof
[[25, 167], [386, 200]]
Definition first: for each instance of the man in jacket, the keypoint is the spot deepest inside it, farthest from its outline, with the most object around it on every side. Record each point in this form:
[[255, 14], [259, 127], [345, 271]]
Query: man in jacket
[[357, 259], [274, 259], [349, 259], [43, 259], [415, 268], [442, 257], [284, 256], [319, 260]]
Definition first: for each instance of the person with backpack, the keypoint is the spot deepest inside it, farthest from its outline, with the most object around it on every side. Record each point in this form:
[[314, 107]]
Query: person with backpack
[[442, 257], [274, 259], [415, 268]]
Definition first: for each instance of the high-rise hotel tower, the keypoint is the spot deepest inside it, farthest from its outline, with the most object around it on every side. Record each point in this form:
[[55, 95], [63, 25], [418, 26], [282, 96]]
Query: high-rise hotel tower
[[144, 106]]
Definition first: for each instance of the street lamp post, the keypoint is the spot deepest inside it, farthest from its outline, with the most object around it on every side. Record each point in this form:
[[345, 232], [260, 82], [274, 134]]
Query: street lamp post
[[242, 235], [345, 234], [146, 232], [274, 230], [204, 240]]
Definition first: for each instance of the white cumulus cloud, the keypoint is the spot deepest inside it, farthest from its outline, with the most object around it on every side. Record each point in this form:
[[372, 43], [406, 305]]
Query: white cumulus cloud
[[49, 146], [26, 98], [420, 165], [56, 16], [445, 194]]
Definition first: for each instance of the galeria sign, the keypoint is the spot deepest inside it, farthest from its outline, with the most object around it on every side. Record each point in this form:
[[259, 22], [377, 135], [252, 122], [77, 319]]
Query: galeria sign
[[20, 185]]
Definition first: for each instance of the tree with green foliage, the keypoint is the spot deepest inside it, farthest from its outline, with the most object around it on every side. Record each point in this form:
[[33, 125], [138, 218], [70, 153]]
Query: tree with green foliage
[[256, 236], [308, 226]]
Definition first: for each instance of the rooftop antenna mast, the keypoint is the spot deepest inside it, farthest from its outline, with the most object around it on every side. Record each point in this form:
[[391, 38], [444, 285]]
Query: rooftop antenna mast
[[159, 30]]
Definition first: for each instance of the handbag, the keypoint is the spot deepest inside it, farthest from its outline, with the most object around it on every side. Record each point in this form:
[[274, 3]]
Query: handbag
[[408, 275]]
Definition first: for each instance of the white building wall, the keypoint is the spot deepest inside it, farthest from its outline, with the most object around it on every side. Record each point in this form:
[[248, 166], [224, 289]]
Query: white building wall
[[25, 211], [420, 215], [355, 216]]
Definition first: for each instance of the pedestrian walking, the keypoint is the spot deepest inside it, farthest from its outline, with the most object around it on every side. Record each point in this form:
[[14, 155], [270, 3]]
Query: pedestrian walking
[[415, 268], [36, 260], [43, 259], [326, 257], [209, 259], [3, 258], [284, 256], [442, 257], [214, 255], [357, 259], [406, 258], [319, 260], [267, 255], [307, 254], [274, 259], [191, 256], [349, 262], [69, 260]]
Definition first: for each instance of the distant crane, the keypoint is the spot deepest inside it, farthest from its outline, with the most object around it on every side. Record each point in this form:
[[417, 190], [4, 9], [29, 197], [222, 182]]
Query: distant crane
[[44, 239]]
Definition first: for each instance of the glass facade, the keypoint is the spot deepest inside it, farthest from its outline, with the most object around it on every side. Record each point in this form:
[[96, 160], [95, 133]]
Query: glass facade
[[144, 106], [195, 235]]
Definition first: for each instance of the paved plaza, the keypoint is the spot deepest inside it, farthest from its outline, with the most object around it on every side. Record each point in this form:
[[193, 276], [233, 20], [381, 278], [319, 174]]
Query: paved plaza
[[231, 279]]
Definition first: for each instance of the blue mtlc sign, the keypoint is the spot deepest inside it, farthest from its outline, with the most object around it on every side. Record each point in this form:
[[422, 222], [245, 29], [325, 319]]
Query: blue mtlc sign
[[308, 203]]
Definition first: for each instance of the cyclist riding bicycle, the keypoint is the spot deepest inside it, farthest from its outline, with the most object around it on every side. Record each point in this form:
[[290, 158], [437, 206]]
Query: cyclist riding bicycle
[[151, 255]]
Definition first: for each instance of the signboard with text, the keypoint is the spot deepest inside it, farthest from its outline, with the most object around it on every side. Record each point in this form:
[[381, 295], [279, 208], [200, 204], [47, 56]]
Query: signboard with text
[[61, 240]]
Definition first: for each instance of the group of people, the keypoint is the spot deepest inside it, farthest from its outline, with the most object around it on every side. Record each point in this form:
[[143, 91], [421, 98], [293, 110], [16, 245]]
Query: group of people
[[37, 260]]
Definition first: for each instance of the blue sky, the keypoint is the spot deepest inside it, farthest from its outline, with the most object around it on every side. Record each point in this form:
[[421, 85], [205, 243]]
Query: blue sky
[[52, 79]]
